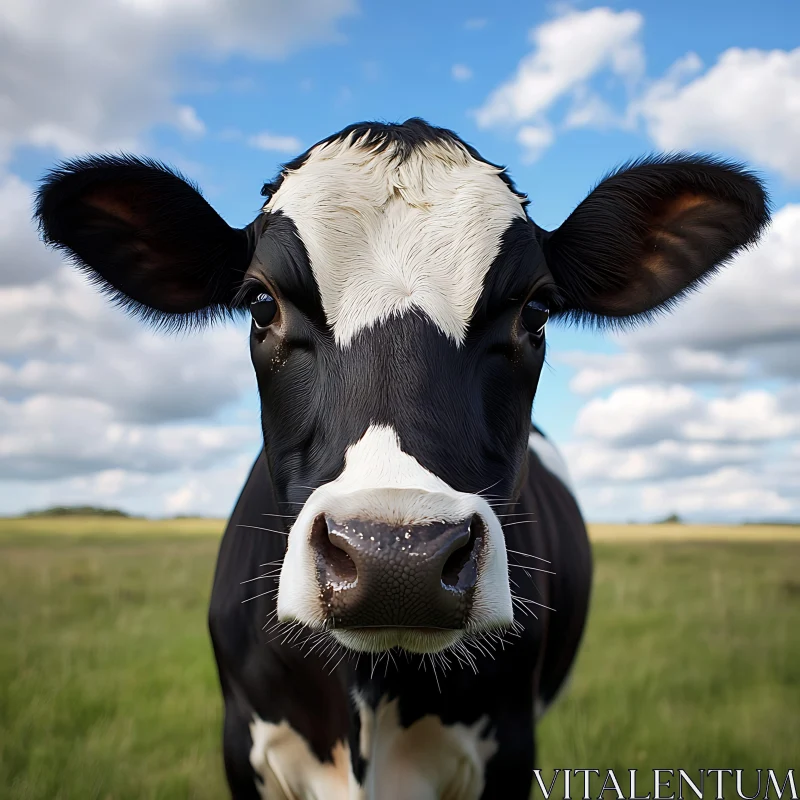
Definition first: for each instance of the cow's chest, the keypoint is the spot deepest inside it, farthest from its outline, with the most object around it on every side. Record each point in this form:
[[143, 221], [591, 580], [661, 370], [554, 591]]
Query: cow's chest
[[425, 761], [288, 769]]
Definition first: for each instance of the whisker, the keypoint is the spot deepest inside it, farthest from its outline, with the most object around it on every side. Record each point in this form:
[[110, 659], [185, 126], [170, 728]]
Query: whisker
[[491, 486], [268, 530], [533, 569], [435, 675], [527, 555], [541, 605], [336, 665], [263, 594], [260, 577]]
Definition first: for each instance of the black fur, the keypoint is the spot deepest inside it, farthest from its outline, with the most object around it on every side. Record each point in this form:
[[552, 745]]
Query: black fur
[[146, 237], [599, 255]]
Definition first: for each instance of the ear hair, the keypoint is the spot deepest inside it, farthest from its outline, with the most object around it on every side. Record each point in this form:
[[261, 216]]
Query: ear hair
[[650, 232], [144, 235]]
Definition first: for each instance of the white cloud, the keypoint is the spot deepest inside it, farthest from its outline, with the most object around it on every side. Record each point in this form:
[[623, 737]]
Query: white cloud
[[652, 413], [649, 450], [461, 72], [189, 122], [597, 371], [590, 110], [535, 139], [23, 260], [280, 144], [605, 464], [209, 491], [95, 75], [751, 416], [635, 414], [730, 492], [50, 436], [568, 51], [723, 459], [60, 335], [747, 103]]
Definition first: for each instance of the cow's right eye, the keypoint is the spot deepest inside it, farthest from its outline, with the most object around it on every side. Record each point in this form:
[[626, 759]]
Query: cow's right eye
[[534, 317], [263, 310]]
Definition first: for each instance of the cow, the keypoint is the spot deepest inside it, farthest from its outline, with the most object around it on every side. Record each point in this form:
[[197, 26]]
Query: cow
[[402, 587]]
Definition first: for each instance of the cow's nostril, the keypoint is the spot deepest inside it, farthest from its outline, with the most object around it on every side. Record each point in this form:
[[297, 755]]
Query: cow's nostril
[[334, 564], [461, 568], [378, 574]]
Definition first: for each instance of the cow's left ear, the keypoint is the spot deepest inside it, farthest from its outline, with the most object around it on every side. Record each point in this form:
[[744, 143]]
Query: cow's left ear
[[651, 232], [145, 235]]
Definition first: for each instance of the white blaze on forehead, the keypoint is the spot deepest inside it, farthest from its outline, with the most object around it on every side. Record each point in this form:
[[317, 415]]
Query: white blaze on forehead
[[382, 483], [385, 235]]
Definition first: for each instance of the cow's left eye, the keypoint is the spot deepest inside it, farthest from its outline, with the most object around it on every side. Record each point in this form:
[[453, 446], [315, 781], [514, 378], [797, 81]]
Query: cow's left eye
[[263, 310], [534, 317]]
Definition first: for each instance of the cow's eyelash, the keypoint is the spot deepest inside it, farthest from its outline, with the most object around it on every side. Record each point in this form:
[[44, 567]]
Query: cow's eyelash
[[249, 290], [548, 294]]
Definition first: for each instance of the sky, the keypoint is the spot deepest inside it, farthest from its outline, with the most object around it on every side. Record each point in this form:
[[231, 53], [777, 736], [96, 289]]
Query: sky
[[697, 414]]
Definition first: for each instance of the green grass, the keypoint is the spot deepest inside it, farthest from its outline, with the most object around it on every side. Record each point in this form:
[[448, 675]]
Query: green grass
[[108, 689], [691, 660]]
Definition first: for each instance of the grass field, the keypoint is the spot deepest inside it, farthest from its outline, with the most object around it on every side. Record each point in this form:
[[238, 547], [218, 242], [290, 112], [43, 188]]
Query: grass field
[[108, 689]]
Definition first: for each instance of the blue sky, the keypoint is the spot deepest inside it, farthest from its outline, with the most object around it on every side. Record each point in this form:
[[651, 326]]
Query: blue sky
[[700, 414]]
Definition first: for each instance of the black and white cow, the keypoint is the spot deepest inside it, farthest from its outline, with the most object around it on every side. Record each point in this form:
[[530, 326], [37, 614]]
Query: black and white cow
[[430, 564]]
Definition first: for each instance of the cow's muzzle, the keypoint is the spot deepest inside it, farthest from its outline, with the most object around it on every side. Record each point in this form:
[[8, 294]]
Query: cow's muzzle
[[377, 575]]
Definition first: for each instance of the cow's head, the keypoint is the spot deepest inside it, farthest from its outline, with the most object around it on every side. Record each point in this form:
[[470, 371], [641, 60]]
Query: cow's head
[[399, 294]]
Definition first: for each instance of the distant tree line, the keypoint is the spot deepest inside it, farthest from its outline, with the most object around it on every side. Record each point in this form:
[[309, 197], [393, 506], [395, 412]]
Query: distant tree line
[[76, 511]]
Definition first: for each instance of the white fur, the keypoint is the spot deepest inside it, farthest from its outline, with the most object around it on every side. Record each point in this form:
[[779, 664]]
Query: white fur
[[382, 483], [426, 761], [287, 768], [550, 457], [385, 237]]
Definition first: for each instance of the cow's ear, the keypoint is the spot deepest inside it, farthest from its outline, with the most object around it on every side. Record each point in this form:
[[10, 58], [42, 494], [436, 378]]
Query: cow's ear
[[145, 235], [650, 232]]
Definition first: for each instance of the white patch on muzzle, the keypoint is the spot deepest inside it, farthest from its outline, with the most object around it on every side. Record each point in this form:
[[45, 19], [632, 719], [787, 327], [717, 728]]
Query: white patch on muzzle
[[382, 483]]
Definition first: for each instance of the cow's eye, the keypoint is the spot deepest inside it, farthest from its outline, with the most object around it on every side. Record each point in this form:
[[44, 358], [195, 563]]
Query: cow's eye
[[263, 310], [534, 317]]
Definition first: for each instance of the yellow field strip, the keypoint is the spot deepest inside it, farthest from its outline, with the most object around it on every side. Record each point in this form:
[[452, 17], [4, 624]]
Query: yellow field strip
[[599, 532], [111, 526]]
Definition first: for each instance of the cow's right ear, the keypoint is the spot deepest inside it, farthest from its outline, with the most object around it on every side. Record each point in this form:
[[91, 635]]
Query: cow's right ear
[[145, 235]]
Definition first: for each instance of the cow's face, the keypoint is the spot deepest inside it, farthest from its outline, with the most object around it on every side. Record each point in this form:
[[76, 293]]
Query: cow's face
[[399, 295], [396, 384]]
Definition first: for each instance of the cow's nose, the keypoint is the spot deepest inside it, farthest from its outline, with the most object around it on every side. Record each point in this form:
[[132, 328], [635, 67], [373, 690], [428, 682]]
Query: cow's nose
[[373, 574]]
